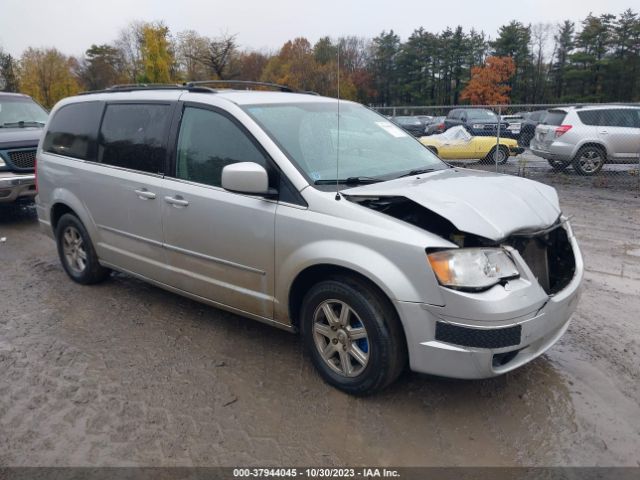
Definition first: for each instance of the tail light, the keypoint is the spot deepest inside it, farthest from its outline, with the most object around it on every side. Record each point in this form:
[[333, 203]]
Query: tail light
[[562, 129], [441, 126]]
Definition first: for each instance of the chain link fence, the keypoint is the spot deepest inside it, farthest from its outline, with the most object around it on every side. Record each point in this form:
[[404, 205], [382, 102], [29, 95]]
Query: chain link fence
[[596, 145]]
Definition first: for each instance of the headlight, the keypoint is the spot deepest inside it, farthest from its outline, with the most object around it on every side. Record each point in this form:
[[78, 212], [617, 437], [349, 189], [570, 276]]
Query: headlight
[[2, 164], [478, 126], [473, 268]]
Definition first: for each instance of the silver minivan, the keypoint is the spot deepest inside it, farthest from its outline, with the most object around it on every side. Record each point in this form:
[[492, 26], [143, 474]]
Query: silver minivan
[[315, 216]]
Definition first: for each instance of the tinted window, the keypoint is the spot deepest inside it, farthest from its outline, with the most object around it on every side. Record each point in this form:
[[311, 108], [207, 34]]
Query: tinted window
[[208, 142], [554, 117], [535, 116], [72, 131], [591, 117], [134, 136], [620, 117]]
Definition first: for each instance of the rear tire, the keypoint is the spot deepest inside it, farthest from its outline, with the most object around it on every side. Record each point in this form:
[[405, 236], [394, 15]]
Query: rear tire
[[359, 350], [76, 252], [589, 160]]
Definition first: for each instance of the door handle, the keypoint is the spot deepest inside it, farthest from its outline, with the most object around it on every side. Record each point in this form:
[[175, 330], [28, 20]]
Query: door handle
[[145, 194], [177, 201], [604, 132]]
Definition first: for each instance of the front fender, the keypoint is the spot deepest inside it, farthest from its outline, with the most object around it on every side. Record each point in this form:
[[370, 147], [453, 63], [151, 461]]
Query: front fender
[[396, 283]]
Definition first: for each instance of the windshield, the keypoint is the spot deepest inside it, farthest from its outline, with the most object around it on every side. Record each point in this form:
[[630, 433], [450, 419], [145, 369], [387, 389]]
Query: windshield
[[14, 111], [476, 114], [370, 145]]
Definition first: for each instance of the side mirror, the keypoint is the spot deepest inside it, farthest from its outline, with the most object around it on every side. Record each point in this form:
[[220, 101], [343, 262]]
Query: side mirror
[[246, 177]]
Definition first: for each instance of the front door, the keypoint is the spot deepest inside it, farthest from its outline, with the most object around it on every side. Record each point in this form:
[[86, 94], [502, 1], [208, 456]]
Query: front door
[[219, 244]]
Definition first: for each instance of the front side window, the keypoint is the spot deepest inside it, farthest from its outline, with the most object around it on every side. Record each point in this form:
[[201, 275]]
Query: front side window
[[620, 117], [73, 129], [208, 142], [367, 143], [134, 136]]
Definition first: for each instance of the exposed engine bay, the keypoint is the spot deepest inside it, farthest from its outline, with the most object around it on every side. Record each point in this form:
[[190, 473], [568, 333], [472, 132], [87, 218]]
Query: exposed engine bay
[[547, 252]]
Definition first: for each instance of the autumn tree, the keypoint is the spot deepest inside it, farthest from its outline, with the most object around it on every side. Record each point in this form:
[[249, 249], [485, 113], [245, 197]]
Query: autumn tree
[[48, 75], [249, 65], [488, 83], [156, 53]]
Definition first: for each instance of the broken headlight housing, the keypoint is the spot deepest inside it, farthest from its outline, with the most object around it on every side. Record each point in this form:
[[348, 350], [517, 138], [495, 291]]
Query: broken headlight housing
[[472, 268]]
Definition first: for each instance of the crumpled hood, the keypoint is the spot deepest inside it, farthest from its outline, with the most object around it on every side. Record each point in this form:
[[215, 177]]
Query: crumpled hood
[[483, 203]]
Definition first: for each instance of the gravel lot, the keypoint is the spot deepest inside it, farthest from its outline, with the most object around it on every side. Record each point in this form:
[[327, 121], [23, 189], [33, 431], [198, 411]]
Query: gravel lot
[[127, 374]]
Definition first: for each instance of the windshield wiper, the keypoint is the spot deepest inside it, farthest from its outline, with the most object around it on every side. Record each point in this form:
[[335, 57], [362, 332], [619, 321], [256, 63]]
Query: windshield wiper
[[22, 123], [348, 181], [417, 171]]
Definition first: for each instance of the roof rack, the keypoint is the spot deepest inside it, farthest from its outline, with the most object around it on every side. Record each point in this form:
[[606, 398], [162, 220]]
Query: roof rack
[[195, 86], [242, 83], [134, 87]]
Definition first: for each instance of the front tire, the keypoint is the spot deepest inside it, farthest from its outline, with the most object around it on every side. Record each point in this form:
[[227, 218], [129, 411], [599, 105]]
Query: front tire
[[353, 336], [76, 252]]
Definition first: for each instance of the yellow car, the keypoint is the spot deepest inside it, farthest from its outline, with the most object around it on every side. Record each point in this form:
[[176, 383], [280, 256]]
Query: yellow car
[[456, 143]]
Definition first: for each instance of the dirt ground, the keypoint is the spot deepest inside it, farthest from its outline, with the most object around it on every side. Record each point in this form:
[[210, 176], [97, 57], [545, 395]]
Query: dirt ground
[[127, 374]]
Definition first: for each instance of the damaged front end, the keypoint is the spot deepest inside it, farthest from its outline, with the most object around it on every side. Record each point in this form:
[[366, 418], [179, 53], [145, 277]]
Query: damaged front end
[[546, 252]]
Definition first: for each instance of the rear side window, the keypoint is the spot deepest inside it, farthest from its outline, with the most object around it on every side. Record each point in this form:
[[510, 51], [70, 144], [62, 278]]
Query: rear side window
[[134, 136], [555, 117], [591, 117], [73, 129], [208, 142]]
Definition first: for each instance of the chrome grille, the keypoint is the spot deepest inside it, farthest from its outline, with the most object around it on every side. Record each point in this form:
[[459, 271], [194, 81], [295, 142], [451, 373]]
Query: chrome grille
[[23, 159]]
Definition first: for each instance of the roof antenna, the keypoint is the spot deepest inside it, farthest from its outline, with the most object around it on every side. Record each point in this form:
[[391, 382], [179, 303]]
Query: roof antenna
[[338, 139]]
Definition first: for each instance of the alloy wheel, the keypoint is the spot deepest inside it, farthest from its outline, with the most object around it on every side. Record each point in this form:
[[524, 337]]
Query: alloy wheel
[[341, 338], [73, 248]]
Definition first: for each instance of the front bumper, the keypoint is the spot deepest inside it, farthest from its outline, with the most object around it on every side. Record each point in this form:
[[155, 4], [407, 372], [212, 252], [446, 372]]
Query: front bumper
[[15, 185], [521, 305]]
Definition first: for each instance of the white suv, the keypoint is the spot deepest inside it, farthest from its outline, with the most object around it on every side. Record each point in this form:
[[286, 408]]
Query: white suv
[[349, 231], [589, 137]]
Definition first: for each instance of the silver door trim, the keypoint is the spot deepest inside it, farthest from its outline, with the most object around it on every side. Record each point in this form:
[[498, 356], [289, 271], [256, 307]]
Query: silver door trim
[[222, 306], [214, 259], [130, 235]]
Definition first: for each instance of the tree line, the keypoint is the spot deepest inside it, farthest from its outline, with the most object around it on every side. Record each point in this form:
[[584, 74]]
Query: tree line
[[595, 60]]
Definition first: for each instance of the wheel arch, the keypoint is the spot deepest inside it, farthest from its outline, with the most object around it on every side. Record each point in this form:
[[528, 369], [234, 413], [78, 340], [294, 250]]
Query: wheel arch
[[63, 201], [323, 271], [592, 143]]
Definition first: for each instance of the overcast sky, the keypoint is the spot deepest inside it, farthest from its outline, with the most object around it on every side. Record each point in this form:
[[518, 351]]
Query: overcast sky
[[73, 25]]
